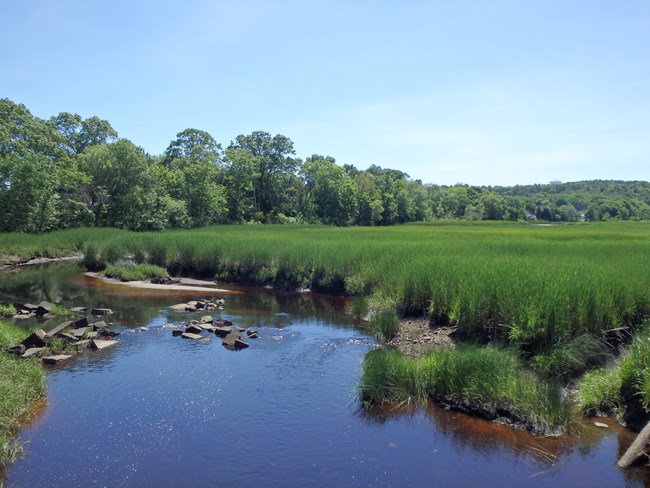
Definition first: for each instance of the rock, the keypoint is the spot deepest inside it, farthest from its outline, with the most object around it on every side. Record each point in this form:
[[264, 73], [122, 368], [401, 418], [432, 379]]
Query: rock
[[79, 323], [43, 308], [101, 344], [79, 309], [222, 331], [58, 328], [27, 306], [200, 304], [222, 321], [56, 359], [144, 329], [83, 343], [220, 301], [104, 331], [190, 308], [177, 332], [180, 307], [32, 351], [231, 338], [207, 319], [23, 316], [99, 325], [205, 339], [35, 339], [18, 350], [91, 334], [188, 335], [239, 344], [169, 326], [102, 311], [208, 327], [193, 329], [252, 334], [67, 337], [80, 332], [601, 425], [241, 329]]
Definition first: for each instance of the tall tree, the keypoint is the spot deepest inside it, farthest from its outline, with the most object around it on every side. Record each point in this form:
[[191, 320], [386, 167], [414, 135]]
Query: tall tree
[[274, 166], [330, 191], [79, 134]]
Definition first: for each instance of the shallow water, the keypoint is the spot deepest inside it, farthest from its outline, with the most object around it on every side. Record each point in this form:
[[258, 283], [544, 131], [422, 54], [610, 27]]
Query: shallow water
[[158, 410]]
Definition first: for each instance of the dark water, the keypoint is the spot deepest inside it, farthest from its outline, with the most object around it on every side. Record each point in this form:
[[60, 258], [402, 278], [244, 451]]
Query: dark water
[[161, 411]]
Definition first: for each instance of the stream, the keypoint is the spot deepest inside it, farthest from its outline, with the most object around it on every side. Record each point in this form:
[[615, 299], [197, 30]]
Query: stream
[[158, 410]]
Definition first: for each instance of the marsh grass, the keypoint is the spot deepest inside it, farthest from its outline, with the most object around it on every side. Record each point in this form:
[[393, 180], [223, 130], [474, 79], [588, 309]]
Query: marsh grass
[[22, 383], [488, 381], [7, 310], [130, 271], [599, 392]]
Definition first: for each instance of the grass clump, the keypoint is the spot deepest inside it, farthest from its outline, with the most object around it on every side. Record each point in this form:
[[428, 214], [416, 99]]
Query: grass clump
[[622, 389], [599, 392], [571, 358], [488, 381], [7, 310], [22, 383], [130, 271]]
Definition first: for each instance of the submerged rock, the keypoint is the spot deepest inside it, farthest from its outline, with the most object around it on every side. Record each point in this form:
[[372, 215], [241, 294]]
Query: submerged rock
[[56, 359], [177, 332], [193, 329], [252, 334], [189, 335]]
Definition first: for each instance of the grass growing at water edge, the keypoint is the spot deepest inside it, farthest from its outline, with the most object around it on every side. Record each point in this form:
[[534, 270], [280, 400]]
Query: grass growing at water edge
[[22, 383], [129, 271], [487, 381]]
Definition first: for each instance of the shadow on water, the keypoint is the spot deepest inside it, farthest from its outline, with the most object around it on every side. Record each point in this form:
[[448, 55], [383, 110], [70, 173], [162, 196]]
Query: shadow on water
[[157, 410]]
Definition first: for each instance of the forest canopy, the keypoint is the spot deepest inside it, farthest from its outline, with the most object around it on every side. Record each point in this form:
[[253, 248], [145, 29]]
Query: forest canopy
[[68, 171]]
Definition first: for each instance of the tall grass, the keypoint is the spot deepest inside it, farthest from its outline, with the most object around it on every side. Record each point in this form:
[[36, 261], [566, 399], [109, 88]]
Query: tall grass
[[21, 384], [533, 287], [485, 380]]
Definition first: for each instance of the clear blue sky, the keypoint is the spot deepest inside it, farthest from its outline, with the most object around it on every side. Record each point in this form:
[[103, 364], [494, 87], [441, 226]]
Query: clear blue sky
[[492, 92]]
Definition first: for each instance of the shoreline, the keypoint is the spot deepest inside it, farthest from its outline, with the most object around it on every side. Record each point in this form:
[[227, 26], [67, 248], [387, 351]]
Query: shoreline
[[185, 284]]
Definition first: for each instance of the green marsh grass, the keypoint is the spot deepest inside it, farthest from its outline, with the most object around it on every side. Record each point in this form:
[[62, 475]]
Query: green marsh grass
[[130, 271], [533, 287], [485, 380], [22, 383]]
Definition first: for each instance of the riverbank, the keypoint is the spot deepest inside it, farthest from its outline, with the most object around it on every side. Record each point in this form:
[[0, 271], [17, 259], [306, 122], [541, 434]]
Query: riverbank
[[22, 385]]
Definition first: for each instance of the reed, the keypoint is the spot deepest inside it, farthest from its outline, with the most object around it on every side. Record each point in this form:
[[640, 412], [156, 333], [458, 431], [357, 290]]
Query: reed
[[488, 381]]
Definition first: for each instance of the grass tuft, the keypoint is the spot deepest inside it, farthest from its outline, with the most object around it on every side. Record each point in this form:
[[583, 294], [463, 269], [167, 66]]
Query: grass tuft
[[488, 381]]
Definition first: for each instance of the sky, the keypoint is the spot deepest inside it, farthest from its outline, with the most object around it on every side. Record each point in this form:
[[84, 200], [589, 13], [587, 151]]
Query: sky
[[497, 92]]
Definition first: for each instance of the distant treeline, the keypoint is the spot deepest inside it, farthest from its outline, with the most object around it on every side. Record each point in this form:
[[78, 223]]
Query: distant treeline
[[70, 172]]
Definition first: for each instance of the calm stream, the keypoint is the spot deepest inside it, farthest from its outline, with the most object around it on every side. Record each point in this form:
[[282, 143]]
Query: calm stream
[[161, 411]]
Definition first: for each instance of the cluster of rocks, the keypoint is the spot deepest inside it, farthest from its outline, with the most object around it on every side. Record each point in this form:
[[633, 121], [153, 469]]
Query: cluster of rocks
[[77, 334], [231, 336], [44, 310], [202, 304]]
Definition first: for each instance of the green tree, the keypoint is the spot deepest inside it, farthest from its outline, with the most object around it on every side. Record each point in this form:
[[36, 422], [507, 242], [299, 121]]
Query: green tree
[[274, 168], [79, 134], [330, 192]]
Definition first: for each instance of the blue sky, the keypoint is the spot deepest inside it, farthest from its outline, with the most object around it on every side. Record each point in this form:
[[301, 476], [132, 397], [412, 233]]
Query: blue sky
[[482, 92]]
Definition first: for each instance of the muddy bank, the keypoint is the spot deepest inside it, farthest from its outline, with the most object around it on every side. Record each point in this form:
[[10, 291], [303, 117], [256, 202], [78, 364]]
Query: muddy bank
[[17, 263], [416, 337], [183, 284]]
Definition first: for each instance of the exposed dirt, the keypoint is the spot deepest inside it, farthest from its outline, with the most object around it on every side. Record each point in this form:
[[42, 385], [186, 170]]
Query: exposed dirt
[[417, 337]]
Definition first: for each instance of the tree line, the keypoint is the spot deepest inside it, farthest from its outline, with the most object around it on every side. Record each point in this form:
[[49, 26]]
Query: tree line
[[68, 171]]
